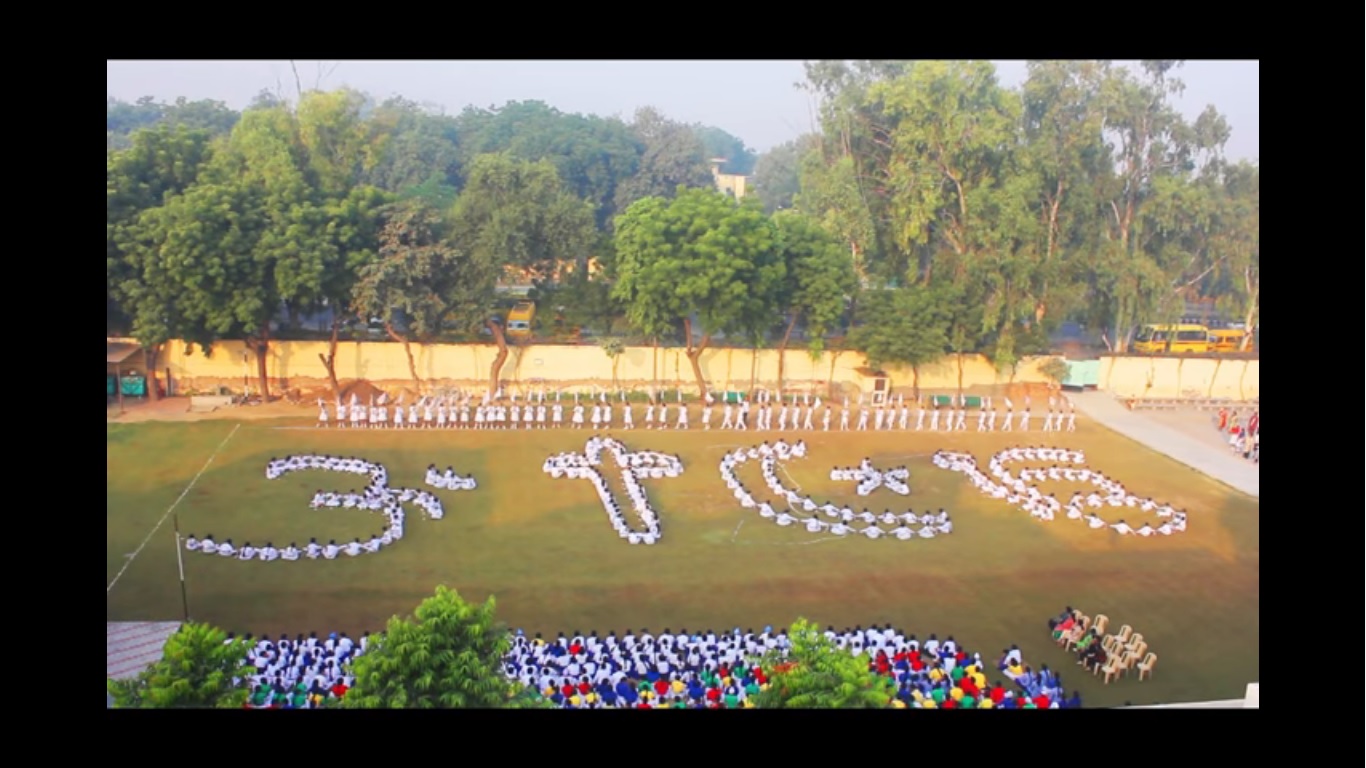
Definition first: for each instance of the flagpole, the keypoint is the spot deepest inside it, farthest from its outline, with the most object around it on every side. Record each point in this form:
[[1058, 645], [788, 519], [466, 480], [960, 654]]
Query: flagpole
[[180, 564]]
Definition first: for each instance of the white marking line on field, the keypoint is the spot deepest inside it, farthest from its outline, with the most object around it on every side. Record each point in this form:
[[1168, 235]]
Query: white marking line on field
[[737, 530], [171, 509]]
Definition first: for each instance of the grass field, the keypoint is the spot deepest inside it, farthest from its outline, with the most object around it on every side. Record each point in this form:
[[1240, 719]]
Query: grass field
[[545, 549]]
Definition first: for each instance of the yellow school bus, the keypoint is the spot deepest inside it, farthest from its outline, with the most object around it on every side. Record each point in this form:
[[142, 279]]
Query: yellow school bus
[[1176, 339], [1227, 339], [519, 319]]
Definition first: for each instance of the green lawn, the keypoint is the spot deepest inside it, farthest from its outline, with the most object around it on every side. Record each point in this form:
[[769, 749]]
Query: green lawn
[[545, 549]]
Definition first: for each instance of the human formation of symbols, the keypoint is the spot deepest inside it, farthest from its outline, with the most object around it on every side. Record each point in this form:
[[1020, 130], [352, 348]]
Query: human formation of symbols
[[637, 521]]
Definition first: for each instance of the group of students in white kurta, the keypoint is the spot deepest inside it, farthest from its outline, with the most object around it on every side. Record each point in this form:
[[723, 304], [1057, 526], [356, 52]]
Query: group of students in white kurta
[[377, 497], [843, 520], [803, 413], [633, 465], [1016, 488]]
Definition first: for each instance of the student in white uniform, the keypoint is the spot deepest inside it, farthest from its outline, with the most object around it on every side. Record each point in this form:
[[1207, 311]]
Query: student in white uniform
[[806, 420], [322, 416], [982, 420], [727, 416], [650, 415], [1024, 420], [557, 415], [961, 422], [1072, 421], [663, 422], [919, 417], [825, 420], [934, 419], [628, 419], [782, 418], [682, 417], [905, 420], [706, 417], [862, 420], [878, 419], [1008, 420]]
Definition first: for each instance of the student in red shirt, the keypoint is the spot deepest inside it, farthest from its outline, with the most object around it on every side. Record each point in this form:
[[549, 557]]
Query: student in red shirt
[[1041, 701], [339, 690], [661, 686]]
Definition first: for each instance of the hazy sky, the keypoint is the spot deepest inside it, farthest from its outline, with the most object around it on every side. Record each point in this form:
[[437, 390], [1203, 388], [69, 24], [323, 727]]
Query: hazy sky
[[754, 100]]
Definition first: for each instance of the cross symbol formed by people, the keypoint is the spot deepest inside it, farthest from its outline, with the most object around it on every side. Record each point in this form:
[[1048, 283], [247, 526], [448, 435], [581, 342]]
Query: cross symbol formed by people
[[870, 479], [634, 467]]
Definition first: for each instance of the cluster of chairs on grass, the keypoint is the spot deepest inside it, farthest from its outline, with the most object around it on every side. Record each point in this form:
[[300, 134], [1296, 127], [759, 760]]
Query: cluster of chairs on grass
[[1113, 655]]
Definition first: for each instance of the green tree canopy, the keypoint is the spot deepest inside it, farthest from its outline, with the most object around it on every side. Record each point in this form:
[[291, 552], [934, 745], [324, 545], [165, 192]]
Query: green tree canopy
[[447, 655], [901, 326], [196, 670], [815, 674], [702, 262]]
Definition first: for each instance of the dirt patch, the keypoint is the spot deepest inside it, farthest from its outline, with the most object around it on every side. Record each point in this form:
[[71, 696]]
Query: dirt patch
[[362, 391]]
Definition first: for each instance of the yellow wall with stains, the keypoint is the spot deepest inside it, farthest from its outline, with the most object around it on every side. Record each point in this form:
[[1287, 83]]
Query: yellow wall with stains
[[296, 364]]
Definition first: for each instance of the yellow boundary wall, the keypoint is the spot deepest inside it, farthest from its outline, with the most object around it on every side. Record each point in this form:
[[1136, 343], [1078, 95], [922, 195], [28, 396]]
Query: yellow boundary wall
[[296, 365]]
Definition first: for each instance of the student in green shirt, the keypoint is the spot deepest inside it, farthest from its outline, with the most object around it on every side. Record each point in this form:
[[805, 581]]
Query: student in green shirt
[[938, 695], [957, 674], [261, 697], [732, 699], [300, 699], [967, 703], [752, 689]]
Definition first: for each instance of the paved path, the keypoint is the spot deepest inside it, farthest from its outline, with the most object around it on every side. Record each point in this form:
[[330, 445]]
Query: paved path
[[1194, 453]]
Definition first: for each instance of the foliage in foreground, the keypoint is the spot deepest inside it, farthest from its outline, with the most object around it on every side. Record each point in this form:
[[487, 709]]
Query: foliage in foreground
[[817, 675], [196, 670], [448, 655]]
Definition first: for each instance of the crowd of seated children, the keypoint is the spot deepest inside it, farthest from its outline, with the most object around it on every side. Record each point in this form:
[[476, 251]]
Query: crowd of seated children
[[677, 670]]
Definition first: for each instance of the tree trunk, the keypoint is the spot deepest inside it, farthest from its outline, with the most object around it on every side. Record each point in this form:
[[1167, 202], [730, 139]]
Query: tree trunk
[[498, 359], [152, 394], [915, 382], [754, 369], [695, 356], [782, 351], [407, 350], [654, 367], [261, 346], [1254, 290], [329, 360], [960, 376]]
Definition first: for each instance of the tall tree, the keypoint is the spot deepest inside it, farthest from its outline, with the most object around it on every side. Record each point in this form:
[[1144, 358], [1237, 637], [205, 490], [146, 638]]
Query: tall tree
[[354, 226], [1238, 275], [673, 157], [516, 214], [196, 670], [420, 279], [815, 674], [902, 326], [160, 163], [701, 261], [961, 196], [1063, 131], [1152, 141], [447, 655], [818, 279]]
